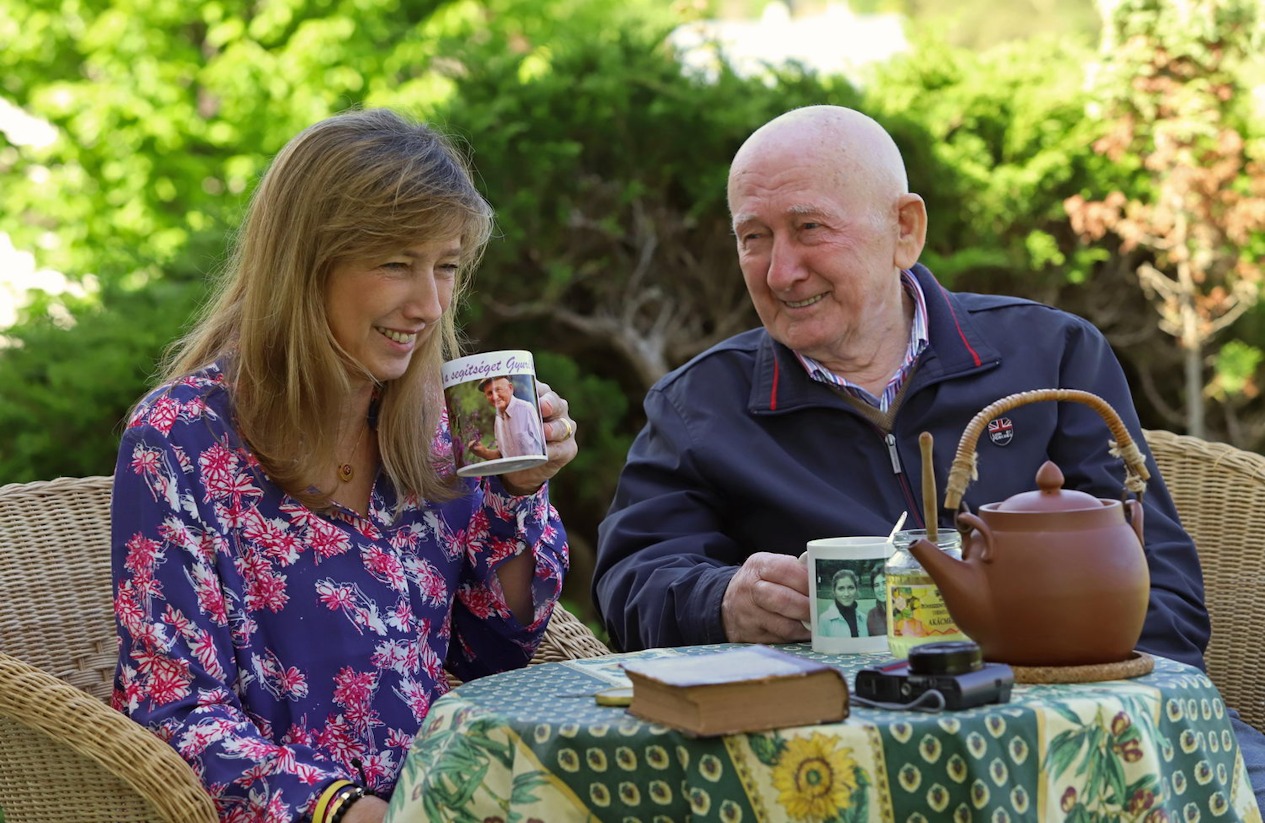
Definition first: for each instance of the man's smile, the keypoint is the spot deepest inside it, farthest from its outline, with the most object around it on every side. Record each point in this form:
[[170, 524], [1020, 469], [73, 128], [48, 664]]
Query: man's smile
[[799, 304]]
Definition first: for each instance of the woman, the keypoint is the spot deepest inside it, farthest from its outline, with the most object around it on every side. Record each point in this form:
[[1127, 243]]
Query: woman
[[840, 620], [295, 560]]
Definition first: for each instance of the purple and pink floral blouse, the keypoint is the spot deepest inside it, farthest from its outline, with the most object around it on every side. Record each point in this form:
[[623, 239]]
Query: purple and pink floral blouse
[[278, 648]]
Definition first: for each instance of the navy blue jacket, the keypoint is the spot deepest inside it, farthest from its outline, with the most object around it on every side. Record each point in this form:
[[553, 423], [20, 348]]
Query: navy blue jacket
[[743, 452]]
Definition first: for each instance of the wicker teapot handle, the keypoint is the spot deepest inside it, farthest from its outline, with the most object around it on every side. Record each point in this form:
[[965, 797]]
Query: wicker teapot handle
[[963, 470]]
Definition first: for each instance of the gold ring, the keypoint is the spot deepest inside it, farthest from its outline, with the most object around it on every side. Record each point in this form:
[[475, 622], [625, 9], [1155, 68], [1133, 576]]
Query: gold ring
[[570, 428]]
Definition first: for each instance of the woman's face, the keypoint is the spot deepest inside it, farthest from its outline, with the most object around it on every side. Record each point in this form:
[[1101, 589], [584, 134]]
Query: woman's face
[[845, 591], [381, 309]]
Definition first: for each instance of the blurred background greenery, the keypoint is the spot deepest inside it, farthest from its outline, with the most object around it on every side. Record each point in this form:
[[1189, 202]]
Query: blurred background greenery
[[1109, 165]]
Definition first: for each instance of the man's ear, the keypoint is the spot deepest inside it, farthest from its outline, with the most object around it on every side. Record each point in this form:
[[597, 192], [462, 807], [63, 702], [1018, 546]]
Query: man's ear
[[911, 226]]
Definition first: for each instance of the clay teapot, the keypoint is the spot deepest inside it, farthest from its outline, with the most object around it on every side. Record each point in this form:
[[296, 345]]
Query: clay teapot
[[1053, 577]]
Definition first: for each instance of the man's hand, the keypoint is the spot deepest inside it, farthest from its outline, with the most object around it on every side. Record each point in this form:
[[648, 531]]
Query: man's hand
[[766, 600], [483, 451]]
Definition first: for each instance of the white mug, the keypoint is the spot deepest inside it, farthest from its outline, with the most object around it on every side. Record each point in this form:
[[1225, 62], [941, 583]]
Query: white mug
[[494, 413], [841, 574]]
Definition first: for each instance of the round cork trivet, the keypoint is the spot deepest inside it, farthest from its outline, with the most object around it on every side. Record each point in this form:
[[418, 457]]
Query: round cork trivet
[[1136, 665]]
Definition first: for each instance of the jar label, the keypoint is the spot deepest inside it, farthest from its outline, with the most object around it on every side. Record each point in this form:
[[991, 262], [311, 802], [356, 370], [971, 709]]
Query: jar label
[[915, 610]]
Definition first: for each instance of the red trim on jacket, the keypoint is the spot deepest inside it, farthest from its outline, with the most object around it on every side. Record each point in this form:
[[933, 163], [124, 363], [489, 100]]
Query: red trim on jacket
[[974, 355], [773, 391]]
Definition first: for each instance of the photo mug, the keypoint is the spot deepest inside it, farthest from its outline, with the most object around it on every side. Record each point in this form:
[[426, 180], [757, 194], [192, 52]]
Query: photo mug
[[494, 413], [847, 593]]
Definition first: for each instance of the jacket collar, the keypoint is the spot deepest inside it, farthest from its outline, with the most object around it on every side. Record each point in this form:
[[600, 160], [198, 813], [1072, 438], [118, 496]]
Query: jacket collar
[[955, 347]]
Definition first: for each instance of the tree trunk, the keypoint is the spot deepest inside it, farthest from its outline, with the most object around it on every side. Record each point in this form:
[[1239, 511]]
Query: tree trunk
[[1192, 350]]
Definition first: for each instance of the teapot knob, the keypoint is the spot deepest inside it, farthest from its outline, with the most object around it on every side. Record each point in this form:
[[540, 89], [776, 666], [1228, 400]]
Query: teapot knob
[[1049, 478], [1050, 495]]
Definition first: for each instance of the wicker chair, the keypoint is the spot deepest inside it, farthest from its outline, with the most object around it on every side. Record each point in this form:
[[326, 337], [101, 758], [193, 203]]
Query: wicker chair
[[1220, 494], [64, 754]]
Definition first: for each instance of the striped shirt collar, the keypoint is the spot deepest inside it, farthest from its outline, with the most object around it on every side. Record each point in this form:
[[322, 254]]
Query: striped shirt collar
[[917, 342]]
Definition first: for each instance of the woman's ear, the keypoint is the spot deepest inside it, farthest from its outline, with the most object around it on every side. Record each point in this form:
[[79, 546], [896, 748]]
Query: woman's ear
[[911, 225]]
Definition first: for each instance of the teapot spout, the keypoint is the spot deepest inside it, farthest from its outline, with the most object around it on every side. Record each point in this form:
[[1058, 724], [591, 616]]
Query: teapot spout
[[963, 586]]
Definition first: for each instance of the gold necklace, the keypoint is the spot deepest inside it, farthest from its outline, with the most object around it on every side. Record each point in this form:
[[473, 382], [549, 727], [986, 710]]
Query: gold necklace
[[345, 470]]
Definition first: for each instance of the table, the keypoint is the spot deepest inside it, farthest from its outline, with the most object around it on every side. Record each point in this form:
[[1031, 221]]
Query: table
[[532, 745]]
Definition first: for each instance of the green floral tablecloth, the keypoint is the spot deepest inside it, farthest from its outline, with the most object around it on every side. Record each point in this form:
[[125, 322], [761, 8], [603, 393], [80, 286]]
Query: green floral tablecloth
[[532, 745]]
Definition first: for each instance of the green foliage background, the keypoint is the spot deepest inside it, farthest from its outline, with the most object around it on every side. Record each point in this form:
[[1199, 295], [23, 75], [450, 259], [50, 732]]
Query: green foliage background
[[606, 163]]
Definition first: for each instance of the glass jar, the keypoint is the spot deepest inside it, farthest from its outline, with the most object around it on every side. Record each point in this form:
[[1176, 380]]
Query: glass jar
[[916, 613]]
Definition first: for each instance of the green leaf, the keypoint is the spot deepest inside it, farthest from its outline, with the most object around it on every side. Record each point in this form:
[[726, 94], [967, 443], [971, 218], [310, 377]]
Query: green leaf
[[1235, 366], [767, 748], [1065, 750], [524, 787], [1113, 777]]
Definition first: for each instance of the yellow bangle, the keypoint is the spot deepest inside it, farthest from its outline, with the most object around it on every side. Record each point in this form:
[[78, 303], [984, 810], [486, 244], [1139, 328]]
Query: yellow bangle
[[336, 804], [322, 804]]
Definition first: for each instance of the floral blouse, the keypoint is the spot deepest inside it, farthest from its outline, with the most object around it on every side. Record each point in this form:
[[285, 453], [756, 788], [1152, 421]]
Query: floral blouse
[[277, 648]]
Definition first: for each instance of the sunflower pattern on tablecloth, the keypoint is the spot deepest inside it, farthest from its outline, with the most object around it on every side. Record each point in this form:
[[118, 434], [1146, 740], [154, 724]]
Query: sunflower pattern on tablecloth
[[812, 774]]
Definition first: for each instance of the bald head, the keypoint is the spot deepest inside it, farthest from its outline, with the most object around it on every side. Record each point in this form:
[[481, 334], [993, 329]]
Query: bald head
[[851, 149], [824, 225]]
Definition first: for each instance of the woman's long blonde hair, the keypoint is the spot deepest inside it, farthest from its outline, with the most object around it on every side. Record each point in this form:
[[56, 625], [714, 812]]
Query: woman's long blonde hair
[[354, 186]]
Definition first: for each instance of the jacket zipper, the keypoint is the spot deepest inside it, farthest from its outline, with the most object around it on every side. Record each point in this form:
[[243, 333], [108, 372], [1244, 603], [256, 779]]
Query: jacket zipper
[[912, 504]]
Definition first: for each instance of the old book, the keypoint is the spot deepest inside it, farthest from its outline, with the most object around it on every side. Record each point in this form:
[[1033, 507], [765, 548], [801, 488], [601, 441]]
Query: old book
[[745, 689]]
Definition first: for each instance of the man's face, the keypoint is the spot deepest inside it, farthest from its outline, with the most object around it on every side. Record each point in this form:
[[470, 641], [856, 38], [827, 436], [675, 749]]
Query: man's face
[[498, 393], [845, 592], [818, 250]]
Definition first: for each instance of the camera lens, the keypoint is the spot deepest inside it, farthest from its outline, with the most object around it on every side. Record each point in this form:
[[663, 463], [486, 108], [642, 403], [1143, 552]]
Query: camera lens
[[948, 657]]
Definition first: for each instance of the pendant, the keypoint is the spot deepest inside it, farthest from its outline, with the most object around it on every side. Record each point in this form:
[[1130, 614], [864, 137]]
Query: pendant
[[346, 472]]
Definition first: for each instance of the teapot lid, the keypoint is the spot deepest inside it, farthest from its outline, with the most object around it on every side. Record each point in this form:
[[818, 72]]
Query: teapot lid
[[1051, 496]]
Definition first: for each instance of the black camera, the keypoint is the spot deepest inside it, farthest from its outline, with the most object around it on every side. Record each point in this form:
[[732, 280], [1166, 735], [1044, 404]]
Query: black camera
[[949, 675]]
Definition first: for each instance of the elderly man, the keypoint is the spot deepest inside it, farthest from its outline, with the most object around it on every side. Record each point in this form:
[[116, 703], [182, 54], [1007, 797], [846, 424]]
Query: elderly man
[[517, 424], [808, 427]]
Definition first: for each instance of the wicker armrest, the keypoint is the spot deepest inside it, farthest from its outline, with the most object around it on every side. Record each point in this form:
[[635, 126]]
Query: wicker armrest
[[567, 638], [66, 756]]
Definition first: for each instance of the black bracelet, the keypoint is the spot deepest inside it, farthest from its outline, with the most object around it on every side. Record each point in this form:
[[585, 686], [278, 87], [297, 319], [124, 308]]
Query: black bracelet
[[350, 795]]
